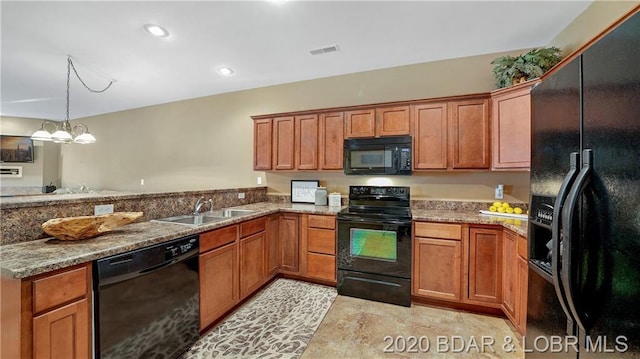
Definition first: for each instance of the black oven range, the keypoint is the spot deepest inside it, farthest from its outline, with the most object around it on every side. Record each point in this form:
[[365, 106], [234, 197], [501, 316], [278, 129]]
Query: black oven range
[[374, 245]]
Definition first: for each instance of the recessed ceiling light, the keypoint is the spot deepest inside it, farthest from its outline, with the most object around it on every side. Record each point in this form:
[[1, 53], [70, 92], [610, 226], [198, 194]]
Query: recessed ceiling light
[[156, 30], [227, 71]]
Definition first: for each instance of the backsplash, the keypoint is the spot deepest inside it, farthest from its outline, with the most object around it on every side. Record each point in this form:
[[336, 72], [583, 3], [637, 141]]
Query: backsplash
[[22, 216]]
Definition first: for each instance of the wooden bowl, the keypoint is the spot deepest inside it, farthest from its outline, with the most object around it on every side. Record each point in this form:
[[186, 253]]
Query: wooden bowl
[[84, 227]]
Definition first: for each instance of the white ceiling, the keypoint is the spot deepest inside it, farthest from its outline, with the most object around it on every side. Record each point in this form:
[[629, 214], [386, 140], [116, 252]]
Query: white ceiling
[[265, 42]]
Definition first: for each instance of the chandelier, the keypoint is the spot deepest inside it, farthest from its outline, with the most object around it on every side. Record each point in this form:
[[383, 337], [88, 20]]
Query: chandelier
[[64, 132]]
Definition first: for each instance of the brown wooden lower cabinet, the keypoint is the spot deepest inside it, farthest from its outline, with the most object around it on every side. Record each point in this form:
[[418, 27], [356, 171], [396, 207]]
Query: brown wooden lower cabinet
[[480, 265], [272, 244], [218, 282], [485, 266], [47, 316], [252, 264], [289, 236], [319, 243], [63, 332], [437, 268], [509, 276]]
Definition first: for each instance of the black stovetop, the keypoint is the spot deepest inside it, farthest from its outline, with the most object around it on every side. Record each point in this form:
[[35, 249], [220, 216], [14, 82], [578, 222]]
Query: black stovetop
[[388, 202]]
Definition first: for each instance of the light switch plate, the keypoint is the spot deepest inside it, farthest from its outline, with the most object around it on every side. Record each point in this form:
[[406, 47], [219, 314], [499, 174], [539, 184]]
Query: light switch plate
[[499, 191], [103, 209]]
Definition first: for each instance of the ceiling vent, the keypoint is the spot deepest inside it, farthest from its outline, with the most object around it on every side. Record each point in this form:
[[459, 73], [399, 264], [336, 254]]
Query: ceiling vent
[[324, 50]]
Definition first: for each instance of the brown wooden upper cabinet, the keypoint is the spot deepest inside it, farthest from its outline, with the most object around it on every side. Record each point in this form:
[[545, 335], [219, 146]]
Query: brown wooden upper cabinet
[[262, 144], [451, 135], [470, 134], [331, 140], [283, 143], [306, 142], [511, 127], [430, 133], [381, 121]]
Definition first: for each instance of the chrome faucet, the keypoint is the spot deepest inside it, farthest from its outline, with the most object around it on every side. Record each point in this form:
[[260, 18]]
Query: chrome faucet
[[200, 203]]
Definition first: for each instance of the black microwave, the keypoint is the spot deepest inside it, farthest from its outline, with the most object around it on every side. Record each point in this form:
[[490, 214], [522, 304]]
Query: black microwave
[[378, 156]]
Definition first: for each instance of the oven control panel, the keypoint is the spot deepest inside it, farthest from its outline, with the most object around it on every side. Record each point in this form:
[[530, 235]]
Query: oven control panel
[[356, 192]]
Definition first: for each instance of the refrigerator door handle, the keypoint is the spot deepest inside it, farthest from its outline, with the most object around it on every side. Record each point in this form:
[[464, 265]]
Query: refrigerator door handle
[[556, 225], [568, 212]]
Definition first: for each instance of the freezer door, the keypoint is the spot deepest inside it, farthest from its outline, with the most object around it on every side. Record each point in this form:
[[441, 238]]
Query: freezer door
[[610, 220], [555, 128]]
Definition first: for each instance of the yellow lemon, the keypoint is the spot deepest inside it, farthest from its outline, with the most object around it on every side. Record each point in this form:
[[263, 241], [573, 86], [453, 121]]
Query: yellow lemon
[[505, 205], [509, 210], [493, 208], [497, 204], [501, 209], [517, 210]]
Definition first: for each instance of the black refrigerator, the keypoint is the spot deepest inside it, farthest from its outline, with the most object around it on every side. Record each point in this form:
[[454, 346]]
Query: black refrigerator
[[584, 225]]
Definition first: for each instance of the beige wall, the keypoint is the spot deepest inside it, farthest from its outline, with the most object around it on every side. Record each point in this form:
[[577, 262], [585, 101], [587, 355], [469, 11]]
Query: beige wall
[[597, 17]]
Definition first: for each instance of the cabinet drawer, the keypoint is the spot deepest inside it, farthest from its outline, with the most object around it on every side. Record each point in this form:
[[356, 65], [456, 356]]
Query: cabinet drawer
[[328, 222], [321, 266], [522, 247], [321, 241], [218, 238], [59, 288], [253, 226], [438, 230]]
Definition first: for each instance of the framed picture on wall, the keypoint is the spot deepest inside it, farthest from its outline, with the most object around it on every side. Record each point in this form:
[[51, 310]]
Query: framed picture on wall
[[304, 191], [16, 149]]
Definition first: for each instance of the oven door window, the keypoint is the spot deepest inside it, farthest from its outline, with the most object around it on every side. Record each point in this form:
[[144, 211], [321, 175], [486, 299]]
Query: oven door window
[[371, 158], [374, 244]]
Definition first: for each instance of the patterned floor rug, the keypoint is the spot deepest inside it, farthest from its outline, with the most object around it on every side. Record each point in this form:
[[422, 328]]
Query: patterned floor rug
[[278, 322]]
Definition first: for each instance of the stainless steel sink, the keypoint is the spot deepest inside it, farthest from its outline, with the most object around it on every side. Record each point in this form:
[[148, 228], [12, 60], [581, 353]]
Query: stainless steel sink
[[226, 213], [204, 218], [190, 219]]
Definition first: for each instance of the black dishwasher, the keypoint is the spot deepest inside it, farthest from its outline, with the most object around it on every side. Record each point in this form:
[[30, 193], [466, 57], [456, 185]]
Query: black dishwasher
[[147, 301]]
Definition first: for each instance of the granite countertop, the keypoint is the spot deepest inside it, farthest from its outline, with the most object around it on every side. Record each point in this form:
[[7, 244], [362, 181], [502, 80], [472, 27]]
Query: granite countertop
[[26, 259], [21, 260]]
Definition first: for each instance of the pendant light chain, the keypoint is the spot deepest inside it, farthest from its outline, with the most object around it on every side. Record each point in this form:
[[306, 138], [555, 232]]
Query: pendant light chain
[[85, 85], [69, 67]]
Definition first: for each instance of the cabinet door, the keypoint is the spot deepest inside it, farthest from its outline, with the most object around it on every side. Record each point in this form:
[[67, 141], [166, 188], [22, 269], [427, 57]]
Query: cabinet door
[[331, 140], [289, 224], [523, 282], [218, 282], [511, 129], [509, 276], [262, 144], [360, 123], [392, 121], [437, 268], [252, 263], [63, 332], [272, 244], [485, 265], [306, 143], [283, 143], [430, 136], [470, 133]]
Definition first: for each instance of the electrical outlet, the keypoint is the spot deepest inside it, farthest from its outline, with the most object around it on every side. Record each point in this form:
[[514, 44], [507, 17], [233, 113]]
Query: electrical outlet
[[259, 180], [499, 191], [103, 209], [241, 195], [142, 181]]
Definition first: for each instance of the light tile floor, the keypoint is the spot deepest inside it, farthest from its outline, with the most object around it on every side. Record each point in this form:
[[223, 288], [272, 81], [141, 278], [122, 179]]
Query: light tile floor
[[357, 328]]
